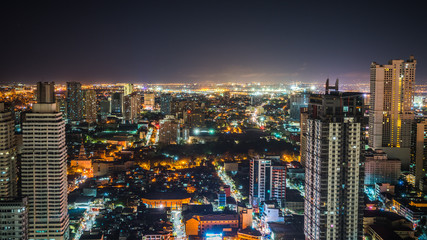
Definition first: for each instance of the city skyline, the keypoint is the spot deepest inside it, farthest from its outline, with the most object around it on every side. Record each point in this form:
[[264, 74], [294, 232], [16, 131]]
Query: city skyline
[[154, 42]]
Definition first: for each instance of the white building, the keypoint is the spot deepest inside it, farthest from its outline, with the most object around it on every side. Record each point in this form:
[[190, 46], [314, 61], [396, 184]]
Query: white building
[[391, 101], [44, 172], [334, 183]]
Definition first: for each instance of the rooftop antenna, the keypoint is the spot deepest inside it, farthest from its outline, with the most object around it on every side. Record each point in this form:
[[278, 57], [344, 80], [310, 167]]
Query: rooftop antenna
[[331, 87]]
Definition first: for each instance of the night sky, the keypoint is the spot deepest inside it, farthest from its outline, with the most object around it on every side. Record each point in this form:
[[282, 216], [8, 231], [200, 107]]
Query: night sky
[[207, 41]]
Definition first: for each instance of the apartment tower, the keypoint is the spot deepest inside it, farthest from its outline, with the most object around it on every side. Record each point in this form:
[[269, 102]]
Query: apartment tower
[[44, 171], [334, 175], [391, 107]]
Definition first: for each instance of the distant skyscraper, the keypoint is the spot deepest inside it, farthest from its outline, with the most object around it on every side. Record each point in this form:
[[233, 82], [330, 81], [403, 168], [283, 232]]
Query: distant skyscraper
[[334, 176], [44, 172], [303, 135], [267, 182], [128, 89], [74, 101], [117, 104], [135, 105], [61, 105], [418, 166], [392, 94], [8, 177], [149, 101], [90, 105], [45, 92], [297, 101], [168, 130], [166, 104]]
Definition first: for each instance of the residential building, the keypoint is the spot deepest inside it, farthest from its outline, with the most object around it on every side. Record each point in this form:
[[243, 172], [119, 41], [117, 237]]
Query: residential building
[[380, 169], [418, 164], [168, 130], [149, 101], [44, 172], [8, 166], [128, 89], [334, 173], [13, 218], [166, 104], [297, 101], [90, 103], [391, 107], [74, 101], [116, 104], [267, 182]]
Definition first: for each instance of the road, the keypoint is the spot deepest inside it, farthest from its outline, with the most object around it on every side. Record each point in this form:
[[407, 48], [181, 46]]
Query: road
[[178, 226]]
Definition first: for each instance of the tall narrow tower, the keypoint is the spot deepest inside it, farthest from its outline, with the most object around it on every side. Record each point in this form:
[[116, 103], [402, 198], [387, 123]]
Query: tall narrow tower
[[8, 178], [392, 94], [74, 101], [44, 172], [334, 175]]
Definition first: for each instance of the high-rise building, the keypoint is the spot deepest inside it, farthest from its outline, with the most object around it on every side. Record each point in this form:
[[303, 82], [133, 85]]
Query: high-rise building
[[267, 182], [149, 101], [418, 166], [44, 172], [117, 104], [74, 101], [13, 208], [297, 101], [334, 174], [90, 104], [380, 169], [303, 137], [61, 105], [128, 89], [104, 109], [13, 218], [166, 104], [135, 106], [8, 167], [391, 106], [168, 130]]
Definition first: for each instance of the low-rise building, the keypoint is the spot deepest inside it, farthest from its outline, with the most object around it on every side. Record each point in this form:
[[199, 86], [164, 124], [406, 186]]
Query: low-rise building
[[166, 200]]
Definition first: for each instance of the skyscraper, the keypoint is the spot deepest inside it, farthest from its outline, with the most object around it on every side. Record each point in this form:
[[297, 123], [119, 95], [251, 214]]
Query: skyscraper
[[44, 172], [13, 208], [90, 105], [117, 104], [166, 104], [168, 130], [128, 89], [334, 176], [267, 182], [149, 101], [8, 177], [392, 95], [418, 166], [74, 101], [297, 101]]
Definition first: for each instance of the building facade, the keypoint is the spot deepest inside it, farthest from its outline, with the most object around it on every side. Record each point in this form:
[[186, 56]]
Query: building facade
[[8, 167], [267, 182], [91, 106], [169, 130], [334, 174], [418, 164], [297, 101], [74, 101], [44, 172], [391, 102], [166, 104], [13, 218], [380, 169]]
